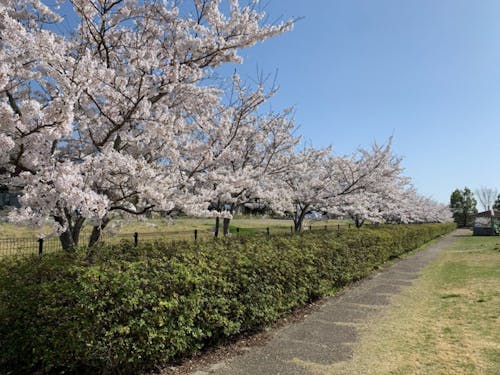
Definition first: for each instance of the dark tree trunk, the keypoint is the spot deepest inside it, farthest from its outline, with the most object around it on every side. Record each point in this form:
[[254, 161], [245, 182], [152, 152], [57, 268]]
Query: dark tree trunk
[[297, 225], [67, 241], [358, 222], [74, 224], [95, 236], [299, 216], [225, 226], [77, 228], [217, 225]]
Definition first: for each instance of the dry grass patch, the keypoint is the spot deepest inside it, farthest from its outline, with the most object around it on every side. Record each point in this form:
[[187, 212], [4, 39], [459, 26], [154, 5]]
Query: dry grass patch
[[169, 226], [15, 239]]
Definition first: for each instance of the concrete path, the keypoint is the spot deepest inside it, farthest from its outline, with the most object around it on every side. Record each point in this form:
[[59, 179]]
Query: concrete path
[[326, 336]]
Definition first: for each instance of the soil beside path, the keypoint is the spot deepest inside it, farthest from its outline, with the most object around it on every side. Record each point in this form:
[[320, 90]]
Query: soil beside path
[[327, 335]]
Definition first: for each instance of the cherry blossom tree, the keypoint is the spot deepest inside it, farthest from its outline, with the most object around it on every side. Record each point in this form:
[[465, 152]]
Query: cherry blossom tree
[[364, 206], [369, 183], [392, 200], [113, 117], [247, 147], [305, 184], [348, 185], [411, 207]]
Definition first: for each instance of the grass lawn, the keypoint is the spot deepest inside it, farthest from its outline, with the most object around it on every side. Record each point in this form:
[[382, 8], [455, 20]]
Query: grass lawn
[[448, 322]]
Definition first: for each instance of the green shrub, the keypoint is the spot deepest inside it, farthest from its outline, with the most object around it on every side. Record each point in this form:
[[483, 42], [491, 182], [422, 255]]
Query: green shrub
[[125, 309]]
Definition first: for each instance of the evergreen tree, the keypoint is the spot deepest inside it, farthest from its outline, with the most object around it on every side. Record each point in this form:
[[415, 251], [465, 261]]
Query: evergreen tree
[[496, 206], [463, 205]]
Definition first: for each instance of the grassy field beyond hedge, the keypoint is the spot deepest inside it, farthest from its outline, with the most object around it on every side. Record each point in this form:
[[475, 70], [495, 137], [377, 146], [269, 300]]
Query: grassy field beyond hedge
[[125, 309]]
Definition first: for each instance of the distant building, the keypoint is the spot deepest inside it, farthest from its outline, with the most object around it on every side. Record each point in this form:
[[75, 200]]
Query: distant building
[[487, 223]]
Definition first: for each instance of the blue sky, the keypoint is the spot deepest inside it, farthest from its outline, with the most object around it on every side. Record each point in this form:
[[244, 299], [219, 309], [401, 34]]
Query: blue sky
[[425, 71]]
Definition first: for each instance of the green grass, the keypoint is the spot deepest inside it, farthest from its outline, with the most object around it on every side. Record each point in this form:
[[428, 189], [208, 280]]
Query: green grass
[[241, 230], [446, 323]]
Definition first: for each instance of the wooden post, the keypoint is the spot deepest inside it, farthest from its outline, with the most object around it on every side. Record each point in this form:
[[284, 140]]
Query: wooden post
[[136, 239]]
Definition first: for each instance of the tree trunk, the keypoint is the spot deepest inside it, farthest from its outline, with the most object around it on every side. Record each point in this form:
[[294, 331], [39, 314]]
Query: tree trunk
[[297, 225], [74, 224], [95, 236], [217, 225], [298, 218], [67, 241], [358, 222], [225, 226], [77, 228]]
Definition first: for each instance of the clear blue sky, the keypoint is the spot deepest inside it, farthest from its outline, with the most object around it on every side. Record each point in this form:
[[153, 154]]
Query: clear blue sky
[[425, 71]]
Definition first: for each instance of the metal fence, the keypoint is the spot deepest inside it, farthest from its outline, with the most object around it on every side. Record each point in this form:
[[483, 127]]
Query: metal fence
[[39, 246]]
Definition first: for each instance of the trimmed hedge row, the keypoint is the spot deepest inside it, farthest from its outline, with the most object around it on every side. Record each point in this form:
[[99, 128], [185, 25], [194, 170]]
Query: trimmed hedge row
[[129, 309]]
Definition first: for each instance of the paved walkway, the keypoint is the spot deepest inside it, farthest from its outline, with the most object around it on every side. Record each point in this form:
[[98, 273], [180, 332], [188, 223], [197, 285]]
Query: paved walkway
[[326, 336]]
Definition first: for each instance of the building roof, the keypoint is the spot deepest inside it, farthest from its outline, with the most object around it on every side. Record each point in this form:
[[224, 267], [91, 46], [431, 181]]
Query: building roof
[[489, 213]]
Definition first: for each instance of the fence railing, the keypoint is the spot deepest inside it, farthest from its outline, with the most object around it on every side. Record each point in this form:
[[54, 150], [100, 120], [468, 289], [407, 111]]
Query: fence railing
[[40, 246]]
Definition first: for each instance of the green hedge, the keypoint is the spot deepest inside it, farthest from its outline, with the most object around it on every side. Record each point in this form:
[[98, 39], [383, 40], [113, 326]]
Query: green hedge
[[129, 309]]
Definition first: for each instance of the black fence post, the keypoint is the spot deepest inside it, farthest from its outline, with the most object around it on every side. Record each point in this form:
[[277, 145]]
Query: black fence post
[[195, 234], [40, 247], [267, 230], [136, 239], [310, 228], [237, 230], [338, 227], [349, 225]]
